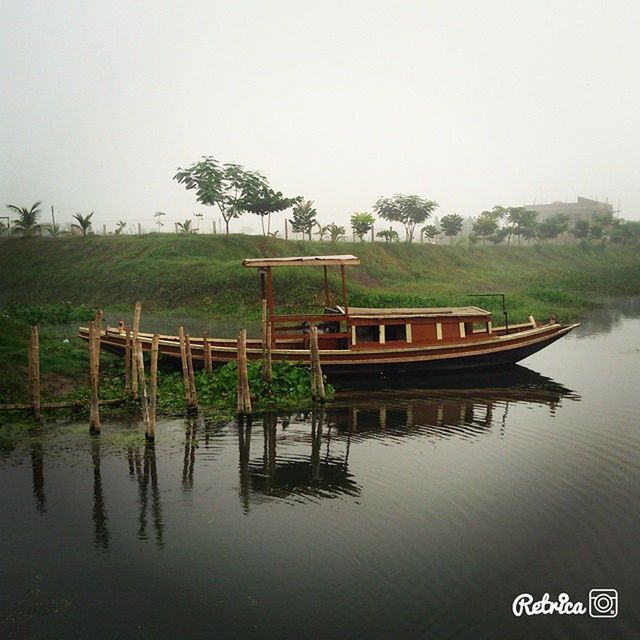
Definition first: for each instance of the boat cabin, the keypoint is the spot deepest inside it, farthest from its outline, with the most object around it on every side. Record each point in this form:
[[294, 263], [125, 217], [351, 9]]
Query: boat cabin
[[343, 327]]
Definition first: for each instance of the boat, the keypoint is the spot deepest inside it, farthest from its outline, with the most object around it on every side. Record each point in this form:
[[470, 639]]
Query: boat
[[356, 340]]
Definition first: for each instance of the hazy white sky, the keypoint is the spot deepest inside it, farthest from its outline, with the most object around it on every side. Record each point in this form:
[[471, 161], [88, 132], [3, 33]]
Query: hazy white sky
[[468, 103]]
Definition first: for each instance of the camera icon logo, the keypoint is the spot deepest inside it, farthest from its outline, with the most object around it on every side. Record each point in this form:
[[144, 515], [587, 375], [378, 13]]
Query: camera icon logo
[[603, 603]]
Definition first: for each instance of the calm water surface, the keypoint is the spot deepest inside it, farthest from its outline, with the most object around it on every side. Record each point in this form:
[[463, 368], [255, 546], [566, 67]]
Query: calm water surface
[[418, 512]]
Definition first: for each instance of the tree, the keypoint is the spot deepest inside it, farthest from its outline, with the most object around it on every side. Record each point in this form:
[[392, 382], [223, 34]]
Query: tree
[[336, 232], [322, 231], [157, 215], [120, 228], [603, 225], [553, 226], [389, 235], [521, 223], [627, 232], [54, 229], [451, 225], [409, 210], [265, 201], [27, 222], [185, 227], [487, 223], [83, 223], [362, 223], [431, 232], [304, 217], [228, 186]]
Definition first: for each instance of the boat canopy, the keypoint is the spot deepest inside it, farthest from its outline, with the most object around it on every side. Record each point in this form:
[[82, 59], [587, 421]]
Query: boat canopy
[[426, 312], [302, 261]]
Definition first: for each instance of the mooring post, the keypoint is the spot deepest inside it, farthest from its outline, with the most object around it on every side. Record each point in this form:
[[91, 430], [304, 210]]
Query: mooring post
[[153, 387], [316, 374], [94, 372], [185, 368], [244, 394], [34, 370], [144, 398], [134, 356], [127, 361], [207, 353], [193, 394]]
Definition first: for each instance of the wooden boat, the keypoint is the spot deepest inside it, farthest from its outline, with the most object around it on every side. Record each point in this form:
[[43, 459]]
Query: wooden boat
[[358, 340]]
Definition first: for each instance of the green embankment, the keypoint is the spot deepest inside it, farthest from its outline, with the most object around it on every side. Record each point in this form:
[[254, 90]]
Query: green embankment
[[200, 277]]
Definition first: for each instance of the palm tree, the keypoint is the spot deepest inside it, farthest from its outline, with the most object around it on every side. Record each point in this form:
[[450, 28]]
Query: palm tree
[[185, 227], [336, 232], [54, 229], [122, 225], [27, 222], [157, 215], [84, 222]]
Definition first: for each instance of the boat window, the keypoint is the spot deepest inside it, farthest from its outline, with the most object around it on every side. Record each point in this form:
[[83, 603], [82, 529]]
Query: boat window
[[367, 334], [396, 332], [479, 327]]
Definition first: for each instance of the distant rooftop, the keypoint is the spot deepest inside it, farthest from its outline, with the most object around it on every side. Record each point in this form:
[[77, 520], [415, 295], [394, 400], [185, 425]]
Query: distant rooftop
[[301, 261]]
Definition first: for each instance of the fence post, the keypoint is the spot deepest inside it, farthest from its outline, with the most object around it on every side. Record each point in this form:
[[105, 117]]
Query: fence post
[[153, 388], [244, 394], [34, 370]]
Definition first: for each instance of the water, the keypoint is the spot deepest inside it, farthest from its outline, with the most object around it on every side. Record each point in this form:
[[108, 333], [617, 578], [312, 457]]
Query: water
[[417, 513]]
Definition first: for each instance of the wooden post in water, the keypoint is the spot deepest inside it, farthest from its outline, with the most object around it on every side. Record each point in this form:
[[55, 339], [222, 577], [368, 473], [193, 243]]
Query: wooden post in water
[[153, 388], [127, 361], [317, 383], [244, 394], [134, 356], [34, 370], [94, 373], [185, 367], [144, 398], [207, 353], [192, 381]]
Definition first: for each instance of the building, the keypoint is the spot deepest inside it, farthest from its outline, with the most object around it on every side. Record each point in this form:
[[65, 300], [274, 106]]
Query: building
[[583, 209]]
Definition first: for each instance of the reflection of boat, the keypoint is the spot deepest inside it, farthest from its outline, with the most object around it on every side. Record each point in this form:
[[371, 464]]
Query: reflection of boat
[[353, 339]]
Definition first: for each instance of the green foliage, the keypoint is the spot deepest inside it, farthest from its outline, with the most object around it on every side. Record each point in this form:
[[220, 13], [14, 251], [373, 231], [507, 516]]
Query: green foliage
[[264, 201], [336, 232], [304, 217], [27, 222], [553, 226], [451, 224], [56, 313], [389, 235], [362, 223], [83, 223], [410, 210], [431, 232]]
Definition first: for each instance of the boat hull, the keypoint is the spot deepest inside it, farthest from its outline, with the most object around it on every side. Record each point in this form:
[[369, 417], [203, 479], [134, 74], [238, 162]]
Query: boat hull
[[494, 351]]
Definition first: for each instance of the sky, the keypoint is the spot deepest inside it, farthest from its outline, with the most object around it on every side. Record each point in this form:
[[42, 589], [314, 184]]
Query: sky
[[468, 103]]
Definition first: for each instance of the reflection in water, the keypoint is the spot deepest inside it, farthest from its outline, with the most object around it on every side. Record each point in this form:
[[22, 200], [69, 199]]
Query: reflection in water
[[37, 472], [244, 451], [190, 446], [101, 538]]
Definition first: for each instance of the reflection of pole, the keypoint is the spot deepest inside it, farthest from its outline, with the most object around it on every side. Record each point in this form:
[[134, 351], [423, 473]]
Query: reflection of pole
[[317, 418], [156, 508], [37, 471], [269, 424], [189, 453], [100, 529], [244, 446]]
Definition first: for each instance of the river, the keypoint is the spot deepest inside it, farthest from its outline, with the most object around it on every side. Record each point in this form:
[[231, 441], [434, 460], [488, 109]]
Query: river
[[419, 511]]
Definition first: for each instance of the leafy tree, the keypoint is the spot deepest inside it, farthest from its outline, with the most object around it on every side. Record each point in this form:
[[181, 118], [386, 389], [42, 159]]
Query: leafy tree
[[323, 231], [603, 225], [54, 230], [362, 223], [157, 215], [521, 222], [553, 226], [389, 235], [264, 201], [409, 210], [304, 217], [627, 232], [120, 227], [27, 222], [487, 223], [431, 232], [336, 232], [83, 223], [451, 225], [185, 227], [228, 186], [581, 229]]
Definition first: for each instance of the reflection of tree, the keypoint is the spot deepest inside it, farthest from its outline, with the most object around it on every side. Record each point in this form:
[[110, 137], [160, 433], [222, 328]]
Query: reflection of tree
[[101, 538], [37, 471], [145, 471], [244, 447]]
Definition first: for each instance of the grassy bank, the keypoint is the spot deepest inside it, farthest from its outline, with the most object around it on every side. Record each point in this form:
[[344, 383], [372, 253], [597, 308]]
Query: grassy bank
[[202, 274]]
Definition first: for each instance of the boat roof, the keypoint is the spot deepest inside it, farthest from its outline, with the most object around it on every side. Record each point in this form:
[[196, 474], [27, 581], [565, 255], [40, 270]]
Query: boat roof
[[301, 261], [424, 312]]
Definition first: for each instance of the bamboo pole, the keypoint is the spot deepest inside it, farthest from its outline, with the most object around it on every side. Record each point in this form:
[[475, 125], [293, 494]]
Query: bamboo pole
[[153, 388], [207, 353], [192, 381], [34, 361], [94, 372], [127, 361], [244, 394], [144, 398], [134, 356], [316, 375], [266, 344], [185, 367]]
